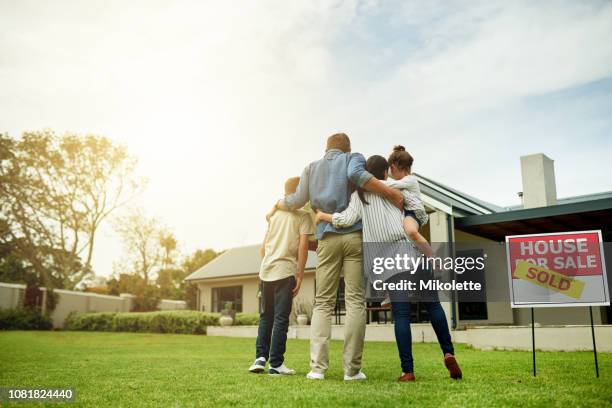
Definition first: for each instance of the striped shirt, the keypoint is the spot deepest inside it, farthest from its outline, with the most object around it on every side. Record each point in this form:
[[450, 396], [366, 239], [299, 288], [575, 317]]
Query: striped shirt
[[383, 233], [382, 221]]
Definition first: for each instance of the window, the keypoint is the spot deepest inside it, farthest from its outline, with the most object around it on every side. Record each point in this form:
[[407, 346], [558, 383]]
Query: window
[[469, 310], [220, 296]]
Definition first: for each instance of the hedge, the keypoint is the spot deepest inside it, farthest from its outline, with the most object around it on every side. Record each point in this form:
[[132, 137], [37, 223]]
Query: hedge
[[24, 319], [175, 321], [246, 319]]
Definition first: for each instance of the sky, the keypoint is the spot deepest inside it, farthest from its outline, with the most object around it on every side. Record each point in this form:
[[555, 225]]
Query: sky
[[222, 101]]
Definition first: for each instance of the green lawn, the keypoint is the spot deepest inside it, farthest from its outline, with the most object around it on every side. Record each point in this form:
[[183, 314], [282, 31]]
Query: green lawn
[[126, 370]]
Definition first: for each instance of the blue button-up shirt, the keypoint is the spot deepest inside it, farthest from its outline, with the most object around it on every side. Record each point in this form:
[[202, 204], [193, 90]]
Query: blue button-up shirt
[[325, 183]]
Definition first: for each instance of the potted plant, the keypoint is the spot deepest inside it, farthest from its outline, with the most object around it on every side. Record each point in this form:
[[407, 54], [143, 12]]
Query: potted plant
[[301, 312], [227, 314]]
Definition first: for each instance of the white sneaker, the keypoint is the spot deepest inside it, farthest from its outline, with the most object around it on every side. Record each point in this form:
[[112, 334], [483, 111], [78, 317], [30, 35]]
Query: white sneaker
[[258, 366], [357, 377], [315, 376], [281, 370]]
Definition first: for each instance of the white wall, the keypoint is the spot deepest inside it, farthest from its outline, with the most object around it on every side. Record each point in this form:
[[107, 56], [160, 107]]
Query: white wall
[[166, 304], [11, 295]]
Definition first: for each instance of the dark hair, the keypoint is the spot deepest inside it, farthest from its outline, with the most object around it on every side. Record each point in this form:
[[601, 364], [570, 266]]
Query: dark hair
[[378, 166], [339, 141], [401, 158]]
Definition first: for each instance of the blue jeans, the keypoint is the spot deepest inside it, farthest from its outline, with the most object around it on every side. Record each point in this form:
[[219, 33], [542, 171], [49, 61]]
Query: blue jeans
[[403, 336], [274, 309]]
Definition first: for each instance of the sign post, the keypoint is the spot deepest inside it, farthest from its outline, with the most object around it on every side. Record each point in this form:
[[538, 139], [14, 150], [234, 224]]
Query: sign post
[[565, 269], [533, 342], [594, 345]]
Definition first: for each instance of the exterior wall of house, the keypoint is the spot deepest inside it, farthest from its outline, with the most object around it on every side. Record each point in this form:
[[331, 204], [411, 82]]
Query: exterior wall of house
[[437, 231], [496, 278], [250, 288]]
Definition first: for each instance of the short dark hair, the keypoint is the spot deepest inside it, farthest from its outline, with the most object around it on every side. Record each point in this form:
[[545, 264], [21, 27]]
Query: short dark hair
[[339, 141], [401, 158]]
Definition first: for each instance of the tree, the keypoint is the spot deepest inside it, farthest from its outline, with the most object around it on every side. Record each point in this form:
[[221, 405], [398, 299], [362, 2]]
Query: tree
[[169, 282], [124, 283], [147, 296], [141, 238], [55, 191], [168, 243]]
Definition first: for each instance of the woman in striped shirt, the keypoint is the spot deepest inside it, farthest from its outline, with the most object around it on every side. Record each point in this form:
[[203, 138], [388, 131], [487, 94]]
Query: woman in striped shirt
[[384, 223]]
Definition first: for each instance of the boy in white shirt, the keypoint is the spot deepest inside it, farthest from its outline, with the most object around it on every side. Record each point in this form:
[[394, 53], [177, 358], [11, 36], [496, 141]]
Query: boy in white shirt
[[284, 252]]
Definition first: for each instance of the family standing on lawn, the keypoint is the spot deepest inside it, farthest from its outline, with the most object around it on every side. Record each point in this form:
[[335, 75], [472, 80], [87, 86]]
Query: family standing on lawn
[[378, 210]]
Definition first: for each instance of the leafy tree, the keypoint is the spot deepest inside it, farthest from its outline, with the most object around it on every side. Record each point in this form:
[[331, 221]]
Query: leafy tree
[[142, 244], [55, 191], [147, 295], [169, 282], [168, 243], [124, 283]]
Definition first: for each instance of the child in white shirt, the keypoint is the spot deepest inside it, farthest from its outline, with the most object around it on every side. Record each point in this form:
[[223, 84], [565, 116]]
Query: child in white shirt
[[400, 165]]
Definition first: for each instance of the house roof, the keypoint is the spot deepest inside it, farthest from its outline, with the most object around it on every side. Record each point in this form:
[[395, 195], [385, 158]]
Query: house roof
[[570, 200], [460, 203], [465, 205], [240, 261]]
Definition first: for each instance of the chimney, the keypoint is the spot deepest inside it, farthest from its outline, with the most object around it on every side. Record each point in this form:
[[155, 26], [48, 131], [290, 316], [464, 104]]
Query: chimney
[[539, 188]]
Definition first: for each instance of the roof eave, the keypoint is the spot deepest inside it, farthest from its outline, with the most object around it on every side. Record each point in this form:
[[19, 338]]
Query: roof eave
[[532, 213]]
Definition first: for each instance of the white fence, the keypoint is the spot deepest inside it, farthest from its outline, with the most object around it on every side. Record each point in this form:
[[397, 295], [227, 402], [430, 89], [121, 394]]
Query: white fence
[[12, 296]]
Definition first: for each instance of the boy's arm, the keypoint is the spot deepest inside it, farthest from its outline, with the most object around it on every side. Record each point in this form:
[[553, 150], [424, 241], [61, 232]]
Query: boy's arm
[[262, 249], [362, 178], [301, 263]]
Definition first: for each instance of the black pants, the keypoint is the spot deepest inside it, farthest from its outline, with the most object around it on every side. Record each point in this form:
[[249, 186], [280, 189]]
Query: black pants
[[274, 309]]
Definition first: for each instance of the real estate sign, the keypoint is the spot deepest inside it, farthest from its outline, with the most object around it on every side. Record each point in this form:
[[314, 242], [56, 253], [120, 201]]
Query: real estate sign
[[560, 269]]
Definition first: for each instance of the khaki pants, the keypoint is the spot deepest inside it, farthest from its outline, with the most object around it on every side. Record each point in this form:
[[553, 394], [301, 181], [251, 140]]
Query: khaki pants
[[338, 253]]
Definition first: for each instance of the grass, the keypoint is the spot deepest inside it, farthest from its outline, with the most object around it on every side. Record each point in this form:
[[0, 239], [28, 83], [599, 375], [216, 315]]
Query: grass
[[129, 369]]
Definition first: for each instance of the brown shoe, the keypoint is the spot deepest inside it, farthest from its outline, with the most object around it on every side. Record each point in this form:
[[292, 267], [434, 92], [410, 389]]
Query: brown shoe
[[406, 377], [453, 367]]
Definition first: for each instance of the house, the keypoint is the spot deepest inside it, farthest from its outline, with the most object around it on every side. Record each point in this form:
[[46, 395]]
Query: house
[[455, 217], [234, 277]]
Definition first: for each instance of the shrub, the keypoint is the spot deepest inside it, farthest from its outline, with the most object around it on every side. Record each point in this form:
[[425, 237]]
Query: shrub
[[175, 321], [90, 321], [246, 319], [24, 319]]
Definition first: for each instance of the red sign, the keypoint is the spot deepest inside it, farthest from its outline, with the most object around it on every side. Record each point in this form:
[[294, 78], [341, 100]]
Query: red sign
[[570, 254]]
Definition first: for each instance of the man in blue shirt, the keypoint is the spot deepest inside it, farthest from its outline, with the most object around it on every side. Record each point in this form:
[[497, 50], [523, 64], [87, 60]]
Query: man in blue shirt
[[328, 183]]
